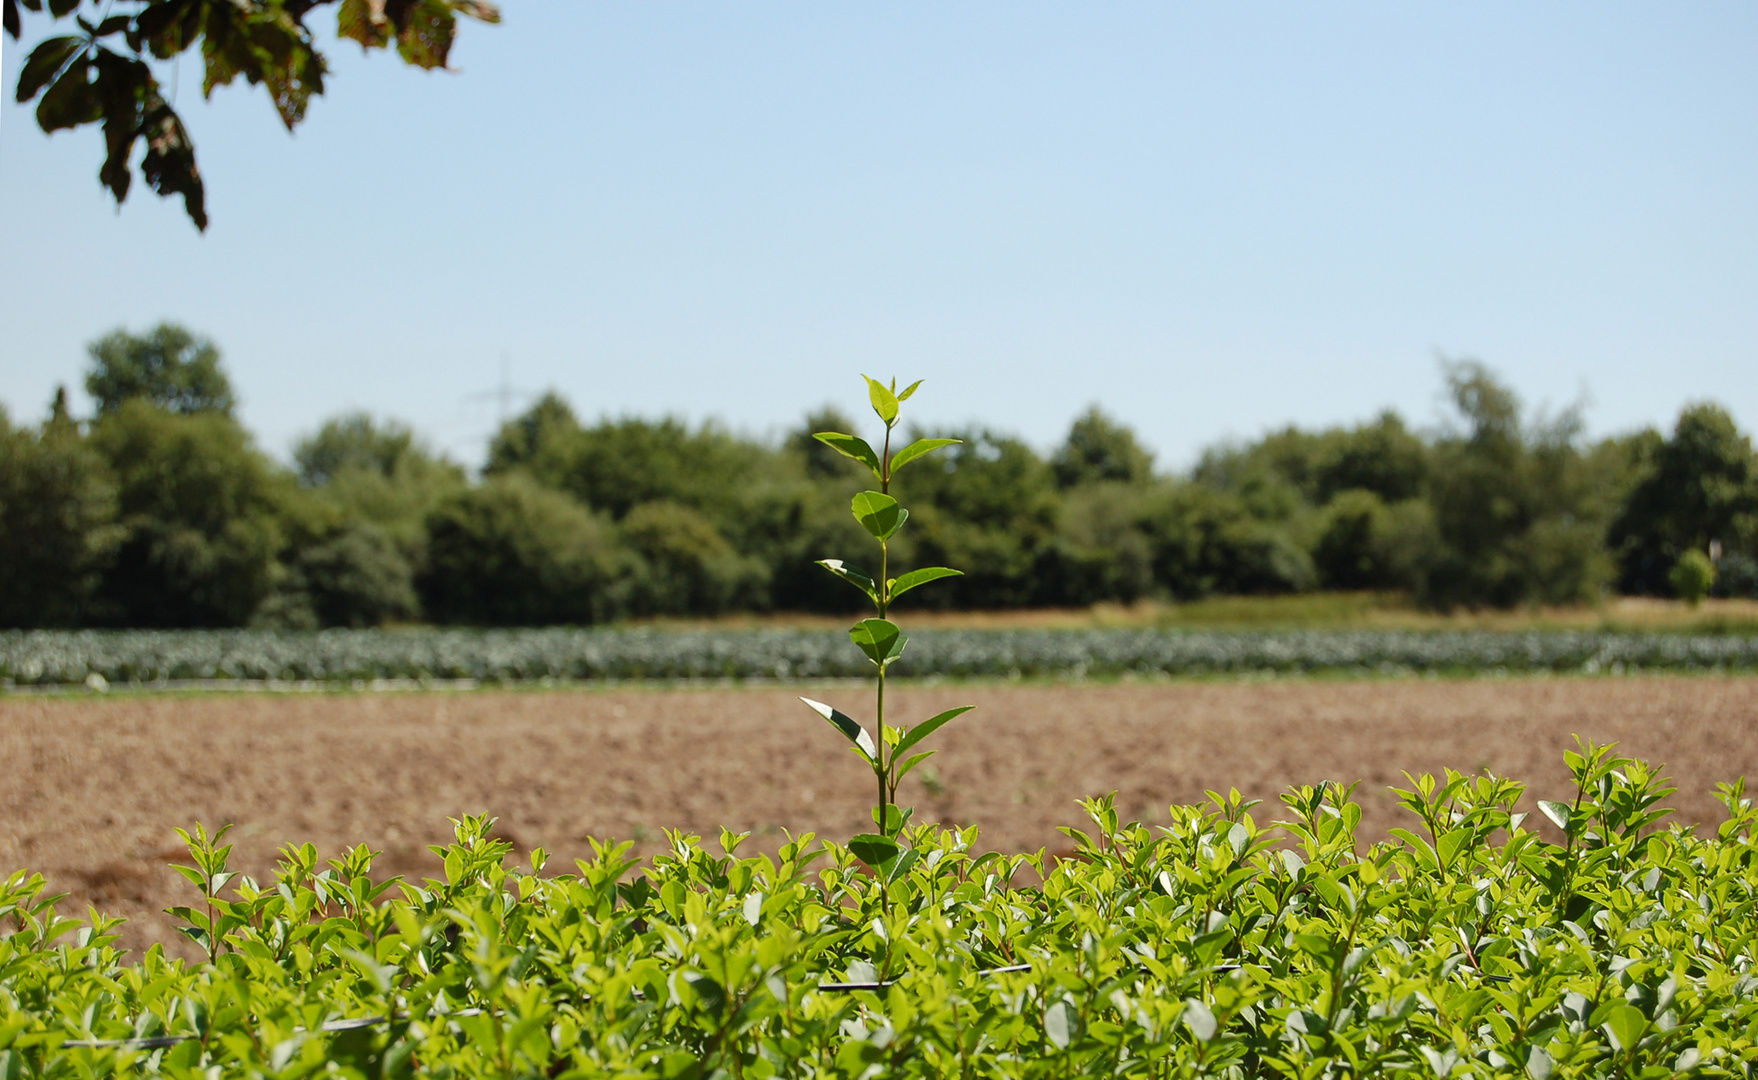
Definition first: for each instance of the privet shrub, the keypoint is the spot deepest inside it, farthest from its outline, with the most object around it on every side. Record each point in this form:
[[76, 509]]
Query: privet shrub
[[1469, 945]]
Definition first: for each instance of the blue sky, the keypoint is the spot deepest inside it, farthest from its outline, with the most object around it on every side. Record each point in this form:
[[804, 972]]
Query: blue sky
[[1210, 220]]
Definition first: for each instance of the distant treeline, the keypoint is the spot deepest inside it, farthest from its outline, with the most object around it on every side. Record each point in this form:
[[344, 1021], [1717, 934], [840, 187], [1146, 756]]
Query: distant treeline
[[161, 512]]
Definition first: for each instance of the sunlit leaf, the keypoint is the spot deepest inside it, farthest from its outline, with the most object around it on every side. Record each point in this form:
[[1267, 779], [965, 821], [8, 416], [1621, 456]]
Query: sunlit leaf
[[878, 513], [917, 449], [881, 639], [850, 447], [884, 401], [929, 727], [845, 724], [873, 849], [900, 585]]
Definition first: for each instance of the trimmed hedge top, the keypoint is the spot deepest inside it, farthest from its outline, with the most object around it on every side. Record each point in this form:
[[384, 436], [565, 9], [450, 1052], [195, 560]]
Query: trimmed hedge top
[[1467, 945]]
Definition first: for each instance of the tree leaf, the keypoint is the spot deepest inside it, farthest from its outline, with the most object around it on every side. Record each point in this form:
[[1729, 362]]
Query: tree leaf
[[929, 727], [853, 577], [881, 639], [873, 849], [884, 401], [917, 449], [45, 60], [846, 724], [908, 390], [878, 514], [71, 100], [897, 586], [850, 447]]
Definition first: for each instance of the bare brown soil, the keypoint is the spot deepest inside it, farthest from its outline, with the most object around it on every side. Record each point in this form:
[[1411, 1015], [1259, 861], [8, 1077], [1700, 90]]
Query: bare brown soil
[[92, 788]]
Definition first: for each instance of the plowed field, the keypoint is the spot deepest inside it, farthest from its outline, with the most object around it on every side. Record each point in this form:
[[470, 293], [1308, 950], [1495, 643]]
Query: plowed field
[[92, 787]]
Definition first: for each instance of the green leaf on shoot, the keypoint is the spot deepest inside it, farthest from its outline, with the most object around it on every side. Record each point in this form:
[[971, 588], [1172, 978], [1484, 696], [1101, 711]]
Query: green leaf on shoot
[[897, 586], [884, 401], [850, 447], [873, 849], [881, 639], [914, 761], [929, 727], [845, 724], [878, 514], [908, 390], [1557, 812], [853, 577], [891, 823], [917, 449]]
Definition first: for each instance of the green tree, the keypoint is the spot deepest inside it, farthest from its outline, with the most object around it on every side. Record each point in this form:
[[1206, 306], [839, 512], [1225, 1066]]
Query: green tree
[[354, 575], [1698, 488], [57, 522], [168, 367], [540, 441], [1519, 513], [686, 567], [510, 552], [203, 514], [988, 506], [1207, 541], [106, 72], [1099, 449]]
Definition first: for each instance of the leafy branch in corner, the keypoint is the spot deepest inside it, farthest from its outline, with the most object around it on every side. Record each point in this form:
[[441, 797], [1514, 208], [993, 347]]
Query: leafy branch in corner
[[103, 73]]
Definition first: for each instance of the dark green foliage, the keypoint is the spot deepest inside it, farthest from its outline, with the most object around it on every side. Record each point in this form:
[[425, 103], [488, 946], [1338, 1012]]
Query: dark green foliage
[[1499, 510], [820, 461], [357, 576], [686, 567], [1206, 542], [363, 473], [510, 552], [57, 523], [987, 506], [1102, 549], [1383, 457], [355, 442], [1698, 488], [168, 367], [1100, 449], [201, 512], [1520, 514], [540, 441]]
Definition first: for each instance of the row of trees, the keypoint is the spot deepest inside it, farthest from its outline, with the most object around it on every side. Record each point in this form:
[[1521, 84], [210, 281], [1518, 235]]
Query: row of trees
[[160, 511]]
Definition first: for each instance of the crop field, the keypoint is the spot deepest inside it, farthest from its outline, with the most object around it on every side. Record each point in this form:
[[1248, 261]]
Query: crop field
[[353, 657], [96, 785]]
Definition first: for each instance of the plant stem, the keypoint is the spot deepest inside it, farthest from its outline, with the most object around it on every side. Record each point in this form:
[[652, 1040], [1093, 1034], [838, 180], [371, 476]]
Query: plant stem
[[884, 604]]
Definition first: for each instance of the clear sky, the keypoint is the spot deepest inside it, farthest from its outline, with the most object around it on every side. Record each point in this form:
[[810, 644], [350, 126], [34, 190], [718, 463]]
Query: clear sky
[[1209, 219]]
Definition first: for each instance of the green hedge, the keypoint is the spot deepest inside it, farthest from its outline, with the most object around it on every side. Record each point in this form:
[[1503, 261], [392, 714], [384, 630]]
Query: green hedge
[[50, 658], [1468, 946]]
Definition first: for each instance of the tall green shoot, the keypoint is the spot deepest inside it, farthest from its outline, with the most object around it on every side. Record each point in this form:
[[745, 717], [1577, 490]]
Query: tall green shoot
[[889, 755]]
